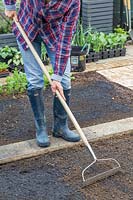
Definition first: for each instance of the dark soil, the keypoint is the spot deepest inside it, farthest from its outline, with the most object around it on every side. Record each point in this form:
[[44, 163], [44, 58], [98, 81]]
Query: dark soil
[[94, 100], [57, 176]]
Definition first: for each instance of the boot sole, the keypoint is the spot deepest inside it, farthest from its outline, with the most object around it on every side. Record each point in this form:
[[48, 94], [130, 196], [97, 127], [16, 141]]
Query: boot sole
[[43, 145], [67, 139]]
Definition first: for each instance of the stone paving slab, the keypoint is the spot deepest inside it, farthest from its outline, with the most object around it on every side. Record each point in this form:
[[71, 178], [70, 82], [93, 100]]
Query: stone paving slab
[[27, 149], [121, 75]]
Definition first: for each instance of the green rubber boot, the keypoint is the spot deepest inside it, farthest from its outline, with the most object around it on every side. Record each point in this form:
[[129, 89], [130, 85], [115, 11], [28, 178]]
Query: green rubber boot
[[60, 128], [36, 100]]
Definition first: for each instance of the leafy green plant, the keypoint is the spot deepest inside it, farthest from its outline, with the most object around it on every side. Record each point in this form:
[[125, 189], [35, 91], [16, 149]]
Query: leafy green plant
[[110, 41], [116, 40], [5, 24], [82, 38], [7, 52], [16, 83], [72, 77], [95, 42], [79, 36], [16, 59], [46, 82], [3, 66], [102, 41], [43, 51], [12, 57], [122, 39], [120, 30]]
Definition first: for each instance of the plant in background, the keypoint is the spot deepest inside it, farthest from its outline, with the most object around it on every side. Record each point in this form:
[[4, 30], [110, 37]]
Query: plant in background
[[115, 40], [46, 82], [118, 29], [7, 52], [72, 77], [102, 41], [17, 83], [44, 55], [3, 66], [122, 39], [82, 38], [12, 57], [16, 60], [5, 24], [79, 36], [96, 43], [110, 41]]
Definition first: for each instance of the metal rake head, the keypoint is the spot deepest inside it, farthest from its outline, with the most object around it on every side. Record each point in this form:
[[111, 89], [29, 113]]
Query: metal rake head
[[101, 175]]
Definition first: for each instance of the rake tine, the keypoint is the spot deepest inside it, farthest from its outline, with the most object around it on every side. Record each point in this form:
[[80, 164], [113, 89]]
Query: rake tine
[[102, 175]]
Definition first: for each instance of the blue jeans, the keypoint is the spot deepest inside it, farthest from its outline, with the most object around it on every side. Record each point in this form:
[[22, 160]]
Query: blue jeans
[[34, 72]]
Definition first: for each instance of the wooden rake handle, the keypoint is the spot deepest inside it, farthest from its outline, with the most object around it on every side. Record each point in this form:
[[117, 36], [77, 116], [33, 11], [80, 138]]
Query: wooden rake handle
[[57, 93], [129, 4], [125, 3]]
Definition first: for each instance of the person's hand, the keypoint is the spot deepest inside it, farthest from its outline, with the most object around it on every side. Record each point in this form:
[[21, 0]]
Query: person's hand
[[56, 85], [11, 14]]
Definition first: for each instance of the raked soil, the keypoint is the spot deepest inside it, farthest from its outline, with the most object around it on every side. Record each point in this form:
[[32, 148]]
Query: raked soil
[[57, 175], [94, 100]]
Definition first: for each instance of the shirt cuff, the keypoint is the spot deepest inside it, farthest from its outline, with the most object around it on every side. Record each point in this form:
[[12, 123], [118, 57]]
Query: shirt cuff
[[10, 7], [56, 77]]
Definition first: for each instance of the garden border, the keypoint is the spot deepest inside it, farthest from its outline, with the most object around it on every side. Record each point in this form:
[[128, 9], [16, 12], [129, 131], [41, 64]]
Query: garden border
[[27, 149]]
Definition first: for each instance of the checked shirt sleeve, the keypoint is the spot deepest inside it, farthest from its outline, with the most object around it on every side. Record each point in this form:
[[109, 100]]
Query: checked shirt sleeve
[[63, 47], [10, 4]]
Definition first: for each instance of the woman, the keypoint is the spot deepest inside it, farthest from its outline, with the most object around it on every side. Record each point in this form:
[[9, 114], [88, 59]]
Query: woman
[[53, 23]]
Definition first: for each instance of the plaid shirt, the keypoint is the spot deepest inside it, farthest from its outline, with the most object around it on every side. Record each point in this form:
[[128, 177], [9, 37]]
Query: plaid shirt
[[55, 21]]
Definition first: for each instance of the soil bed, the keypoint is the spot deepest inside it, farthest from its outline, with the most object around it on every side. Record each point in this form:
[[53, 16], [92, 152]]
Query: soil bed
[[94, 100], [57, 176]]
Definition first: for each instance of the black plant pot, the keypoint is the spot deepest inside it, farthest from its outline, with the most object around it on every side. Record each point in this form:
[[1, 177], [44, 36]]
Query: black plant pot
[[123, 52], [77, 59], [111, 53], [117, 52], [94, 55], [89, 58], [105, 55], [100, 55]]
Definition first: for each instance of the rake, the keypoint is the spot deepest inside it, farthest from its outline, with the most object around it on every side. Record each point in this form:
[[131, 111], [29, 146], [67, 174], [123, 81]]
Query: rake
[[99, 176]]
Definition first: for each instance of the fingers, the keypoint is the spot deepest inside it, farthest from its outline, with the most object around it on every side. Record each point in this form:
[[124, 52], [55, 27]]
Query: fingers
[[11, 14], [57, 86], [62, 93]]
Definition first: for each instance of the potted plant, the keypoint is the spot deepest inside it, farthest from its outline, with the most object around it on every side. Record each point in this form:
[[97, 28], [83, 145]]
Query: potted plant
[[78, 49], [123, 39], [3, 69], [110, 45], [103, 53], [96, 45], [100, 45], [123, 35]]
